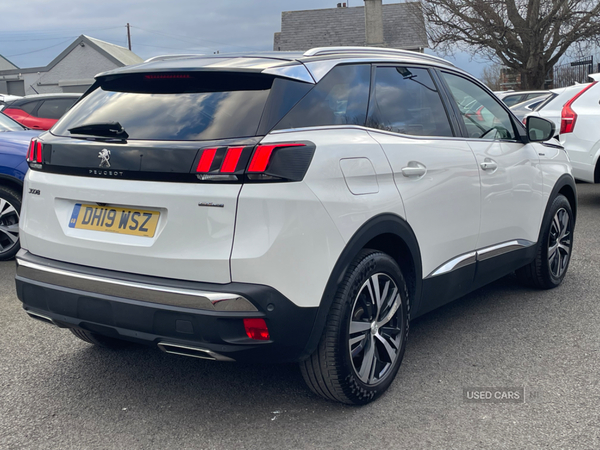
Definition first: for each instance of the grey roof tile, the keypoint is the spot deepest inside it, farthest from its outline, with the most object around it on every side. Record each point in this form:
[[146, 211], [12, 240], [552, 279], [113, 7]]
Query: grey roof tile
[[403, 27]]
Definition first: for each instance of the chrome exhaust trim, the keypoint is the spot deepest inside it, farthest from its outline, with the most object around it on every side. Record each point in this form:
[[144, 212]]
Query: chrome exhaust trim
[[193, 352], [41, 318]]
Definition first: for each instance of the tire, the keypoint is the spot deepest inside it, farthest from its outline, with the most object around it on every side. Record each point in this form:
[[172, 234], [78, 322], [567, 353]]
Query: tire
[[360, 353], [550, 266], [98, 339], [10, 210]]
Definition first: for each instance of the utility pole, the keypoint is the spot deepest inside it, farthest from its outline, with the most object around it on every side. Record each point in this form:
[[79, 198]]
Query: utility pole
[[129, 36]]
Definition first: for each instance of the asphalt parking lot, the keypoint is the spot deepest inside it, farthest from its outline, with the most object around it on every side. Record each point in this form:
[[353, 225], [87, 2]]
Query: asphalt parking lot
[[58, 392]]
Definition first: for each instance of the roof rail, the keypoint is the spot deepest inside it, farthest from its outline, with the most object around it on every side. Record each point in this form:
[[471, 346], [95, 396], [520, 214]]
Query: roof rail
[[165, 57], [372, 50]]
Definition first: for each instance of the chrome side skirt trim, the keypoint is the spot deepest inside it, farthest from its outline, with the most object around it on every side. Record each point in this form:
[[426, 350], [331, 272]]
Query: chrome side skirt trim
[[456, 263], [480, 255], [185, 298], [500, 249]]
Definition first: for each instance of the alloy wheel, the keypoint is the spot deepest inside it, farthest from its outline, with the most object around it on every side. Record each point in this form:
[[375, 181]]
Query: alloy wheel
[[559, 243], [9, 226], [375, 330]]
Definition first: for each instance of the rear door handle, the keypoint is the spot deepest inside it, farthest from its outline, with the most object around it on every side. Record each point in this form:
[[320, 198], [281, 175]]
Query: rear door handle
[[489, 164], [414, 169]]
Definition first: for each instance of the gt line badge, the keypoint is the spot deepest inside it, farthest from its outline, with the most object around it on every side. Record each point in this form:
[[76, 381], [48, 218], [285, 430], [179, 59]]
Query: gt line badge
[[104, 156]]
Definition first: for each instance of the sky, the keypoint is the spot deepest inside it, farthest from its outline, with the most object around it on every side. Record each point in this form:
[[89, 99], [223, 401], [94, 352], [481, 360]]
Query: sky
[[34, 32]]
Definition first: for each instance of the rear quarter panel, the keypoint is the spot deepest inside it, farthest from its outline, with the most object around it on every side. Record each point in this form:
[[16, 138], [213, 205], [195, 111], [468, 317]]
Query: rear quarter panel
[[290, 235]]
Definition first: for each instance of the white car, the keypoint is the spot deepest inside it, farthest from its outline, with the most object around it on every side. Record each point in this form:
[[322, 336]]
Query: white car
[[287, 207], [579, 132], [511, 98], [524, 108], [551, 108], [4, 98]]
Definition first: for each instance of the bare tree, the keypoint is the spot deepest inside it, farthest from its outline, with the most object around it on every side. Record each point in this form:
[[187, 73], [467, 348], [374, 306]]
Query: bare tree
[[529, 36], [491, 76]]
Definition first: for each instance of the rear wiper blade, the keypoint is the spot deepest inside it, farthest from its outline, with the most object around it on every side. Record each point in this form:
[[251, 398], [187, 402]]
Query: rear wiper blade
[[108, 129]]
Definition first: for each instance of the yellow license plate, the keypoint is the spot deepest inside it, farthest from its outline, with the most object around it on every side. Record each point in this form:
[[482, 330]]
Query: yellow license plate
[[136, 222]]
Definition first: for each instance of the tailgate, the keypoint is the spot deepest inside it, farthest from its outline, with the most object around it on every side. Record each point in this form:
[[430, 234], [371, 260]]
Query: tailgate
[[143, 214]]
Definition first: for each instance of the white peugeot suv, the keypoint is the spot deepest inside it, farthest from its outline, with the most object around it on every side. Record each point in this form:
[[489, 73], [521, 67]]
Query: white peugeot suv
[[287, 207]]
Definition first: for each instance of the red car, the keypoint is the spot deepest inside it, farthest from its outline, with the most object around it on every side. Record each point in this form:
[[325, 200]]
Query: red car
[[40, 112]]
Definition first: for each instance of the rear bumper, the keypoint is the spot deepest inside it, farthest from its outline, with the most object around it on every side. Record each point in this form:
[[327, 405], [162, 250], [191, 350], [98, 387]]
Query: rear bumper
[[168, 313]]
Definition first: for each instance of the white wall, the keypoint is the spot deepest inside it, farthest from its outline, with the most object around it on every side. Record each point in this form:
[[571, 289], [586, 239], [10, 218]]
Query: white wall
[[82, 63]]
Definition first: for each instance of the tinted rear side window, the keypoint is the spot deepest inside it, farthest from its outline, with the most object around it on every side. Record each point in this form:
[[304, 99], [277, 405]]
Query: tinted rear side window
[[405, 100], [178, 106], [340, 98], [54, 109], [28, 107], [511, 100]]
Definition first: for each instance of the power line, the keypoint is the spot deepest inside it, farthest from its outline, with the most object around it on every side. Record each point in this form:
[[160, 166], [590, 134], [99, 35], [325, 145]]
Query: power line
[[41, 49], [36, 39], [168, 48], [51, 31], [192, 40]]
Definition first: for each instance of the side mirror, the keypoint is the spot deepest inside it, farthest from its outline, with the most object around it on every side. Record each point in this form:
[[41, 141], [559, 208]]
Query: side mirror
[[539, 129]]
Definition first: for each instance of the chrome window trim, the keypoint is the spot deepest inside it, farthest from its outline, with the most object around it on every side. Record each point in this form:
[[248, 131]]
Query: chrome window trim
[[165, 295], [367, 129], [320, 68]]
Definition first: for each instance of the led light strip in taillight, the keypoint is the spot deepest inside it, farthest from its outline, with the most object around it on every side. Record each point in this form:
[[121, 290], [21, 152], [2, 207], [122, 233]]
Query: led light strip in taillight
[[257, 163], [34, 153], [223, 160]]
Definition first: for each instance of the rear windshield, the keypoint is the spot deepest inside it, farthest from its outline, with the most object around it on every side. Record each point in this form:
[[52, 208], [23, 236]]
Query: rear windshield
[[175, 107]]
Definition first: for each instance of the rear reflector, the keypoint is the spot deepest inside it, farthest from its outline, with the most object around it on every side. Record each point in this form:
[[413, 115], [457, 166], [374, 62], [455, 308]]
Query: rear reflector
[[257, 329]]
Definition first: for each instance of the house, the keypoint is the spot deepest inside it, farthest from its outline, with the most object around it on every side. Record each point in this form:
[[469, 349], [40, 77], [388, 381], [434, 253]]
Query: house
[[71, 71], [395, 25]]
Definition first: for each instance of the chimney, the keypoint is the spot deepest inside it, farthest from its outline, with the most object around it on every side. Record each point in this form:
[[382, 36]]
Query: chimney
[[374, 23]]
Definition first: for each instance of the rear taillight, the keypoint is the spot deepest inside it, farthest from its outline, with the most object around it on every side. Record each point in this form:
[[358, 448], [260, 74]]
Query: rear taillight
[[568, 117], [287, 161], [34, 153]]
